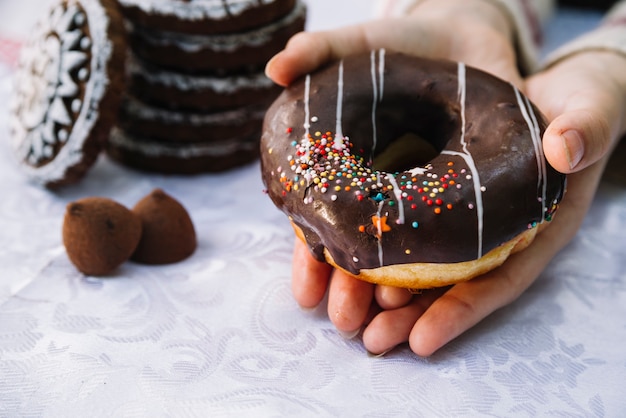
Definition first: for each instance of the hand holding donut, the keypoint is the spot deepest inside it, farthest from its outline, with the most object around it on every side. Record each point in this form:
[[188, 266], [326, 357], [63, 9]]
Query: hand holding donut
[[431, 319], [583, 95]]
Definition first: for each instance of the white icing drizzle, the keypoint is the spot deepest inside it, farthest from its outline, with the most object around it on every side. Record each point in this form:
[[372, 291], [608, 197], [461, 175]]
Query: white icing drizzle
[[221, 42], [196, 9], [377, 90], [398, 194], [338, 141], [149, 148], [535, 133], [381, 71], [307, 111], [467, 156]]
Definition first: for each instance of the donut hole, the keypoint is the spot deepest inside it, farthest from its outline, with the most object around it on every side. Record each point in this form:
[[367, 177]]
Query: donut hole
[[404, 153]]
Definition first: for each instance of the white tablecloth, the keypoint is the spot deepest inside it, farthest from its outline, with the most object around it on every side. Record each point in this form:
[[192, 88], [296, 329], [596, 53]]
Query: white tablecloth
[[220, 334]]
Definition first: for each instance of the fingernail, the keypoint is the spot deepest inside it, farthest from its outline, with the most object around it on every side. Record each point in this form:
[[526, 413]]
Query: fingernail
[[270, 64], [380, 354], [574, 147], [348, 335]]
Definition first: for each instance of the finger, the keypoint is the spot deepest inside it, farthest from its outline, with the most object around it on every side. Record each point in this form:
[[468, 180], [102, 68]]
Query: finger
[[392, 327], [307, 51], [583, 133], [349, 301], [309, 277], [389, 297], [466, 304]]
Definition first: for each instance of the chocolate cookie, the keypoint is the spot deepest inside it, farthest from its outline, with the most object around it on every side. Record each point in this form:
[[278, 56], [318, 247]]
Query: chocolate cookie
[[230, 52], [175, 126], [205, 16], [67, 90], [176, 90], [181, 158]]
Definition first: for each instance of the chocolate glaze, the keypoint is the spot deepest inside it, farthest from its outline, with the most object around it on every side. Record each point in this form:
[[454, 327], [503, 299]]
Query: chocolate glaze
[[489, 182]]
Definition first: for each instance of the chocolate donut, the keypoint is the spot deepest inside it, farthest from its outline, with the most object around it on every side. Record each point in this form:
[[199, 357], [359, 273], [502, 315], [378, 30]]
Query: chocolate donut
[[330, 155]]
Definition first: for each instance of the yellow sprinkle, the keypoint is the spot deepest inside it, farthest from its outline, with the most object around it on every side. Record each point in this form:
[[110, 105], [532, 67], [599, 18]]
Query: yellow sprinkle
[[407, 251]]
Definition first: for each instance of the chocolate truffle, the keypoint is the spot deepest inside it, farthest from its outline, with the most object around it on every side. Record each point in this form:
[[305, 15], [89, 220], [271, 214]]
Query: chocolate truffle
[[168, 232], [99, 234]]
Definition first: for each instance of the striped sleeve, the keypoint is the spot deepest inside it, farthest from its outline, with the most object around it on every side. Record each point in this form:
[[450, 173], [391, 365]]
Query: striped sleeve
[[610, 35], [527, 17]]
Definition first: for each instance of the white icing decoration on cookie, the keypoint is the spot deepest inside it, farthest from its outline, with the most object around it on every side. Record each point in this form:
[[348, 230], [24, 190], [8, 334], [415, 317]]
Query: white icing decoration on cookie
[[41, 123], [141, 111], [149, 148], [187, 82], [196, 9], [227, 43]]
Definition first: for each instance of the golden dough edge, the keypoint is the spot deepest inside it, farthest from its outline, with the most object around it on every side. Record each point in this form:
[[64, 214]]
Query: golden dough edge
[[430, 275]]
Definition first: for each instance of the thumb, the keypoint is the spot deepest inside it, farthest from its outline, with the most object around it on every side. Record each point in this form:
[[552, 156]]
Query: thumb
[[581, 134], [306, 51]]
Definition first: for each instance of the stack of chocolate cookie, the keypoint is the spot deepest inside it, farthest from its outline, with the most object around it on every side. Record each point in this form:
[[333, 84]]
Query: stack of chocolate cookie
[[196, 92]]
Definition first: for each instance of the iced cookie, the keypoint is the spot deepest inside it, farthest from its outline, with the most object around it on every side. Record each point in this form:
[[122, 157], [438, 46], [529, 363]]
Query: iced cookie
[[222, 52], [176, 90], [205, 16], [67, 90], [168, 157], [177, 126]]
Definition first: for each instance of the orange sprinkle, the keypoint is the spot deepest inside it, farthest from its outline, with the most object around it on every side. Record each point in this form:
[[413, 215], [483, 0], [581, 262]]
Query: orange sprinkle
[[437, 211], [449, 206], [362, 228]]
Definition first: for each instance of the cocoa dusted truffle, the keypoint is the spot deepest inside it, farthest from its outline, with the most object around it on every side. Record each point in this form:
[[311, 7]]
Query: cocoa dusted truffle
[[99, 234], [168, 232]]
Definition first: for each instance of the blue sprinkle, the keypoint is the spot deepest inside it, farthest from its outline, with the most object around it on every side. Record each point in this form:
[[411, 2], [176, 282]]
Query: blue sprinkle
[[378, 198], [415, 224]]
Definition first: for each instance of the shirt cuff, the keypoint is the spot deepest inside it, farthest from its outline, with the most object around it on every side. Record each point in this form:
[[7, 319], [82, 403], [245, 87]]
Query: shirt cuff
[[609, 36], [526, 16]]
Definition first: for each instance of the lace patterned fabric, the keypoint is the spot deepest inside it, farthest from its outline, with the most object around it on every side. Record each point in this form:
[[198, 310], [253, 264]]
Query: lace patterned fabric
[[220, 334]]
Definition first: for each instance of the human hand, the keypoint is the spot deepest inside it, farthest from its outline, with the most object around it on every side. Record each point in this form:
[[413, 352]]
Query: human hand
[[577, 95], [583, 96], [424, 32]]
